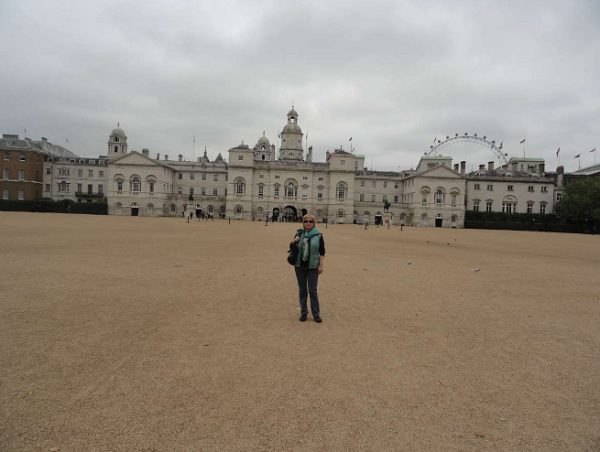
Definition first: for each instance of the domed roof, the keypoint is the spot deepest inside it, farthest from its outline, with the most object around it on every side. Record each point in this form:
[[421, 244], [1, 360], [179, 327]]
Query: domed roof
[[292, 128], [292, 112], [263, 141], [118, 131]]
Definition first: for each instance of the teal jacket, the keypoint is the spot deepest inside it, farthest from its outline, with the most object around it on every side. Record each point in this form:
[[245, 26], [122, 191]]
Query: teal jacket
[[313, 241]]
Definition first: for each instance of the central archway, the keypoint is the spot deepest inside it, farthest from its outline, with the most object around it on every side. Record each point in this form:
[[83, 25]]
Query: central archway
[[290, 213]]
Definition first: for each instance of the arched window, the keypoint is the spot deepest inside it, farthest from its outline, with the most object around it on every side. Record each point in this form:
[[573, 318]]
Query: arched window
[[454, 218], [261, 190], [173, 208], [135, 184], [424, 217], [210, 208], [116, 139], [439, 196], [259, 211], [291, 190], [340, 213], [240, 186], [341, 189], [238, 210]]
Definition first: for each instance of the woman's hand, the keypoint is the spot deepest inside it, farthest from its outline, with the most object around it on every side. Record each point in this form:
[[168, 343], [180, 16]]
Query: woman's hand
[[320, 269]]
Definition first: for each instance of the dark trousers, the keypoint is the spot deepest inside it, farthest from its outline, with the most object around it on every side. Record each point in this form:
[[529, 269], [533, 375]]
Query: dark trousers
[[308, 278]]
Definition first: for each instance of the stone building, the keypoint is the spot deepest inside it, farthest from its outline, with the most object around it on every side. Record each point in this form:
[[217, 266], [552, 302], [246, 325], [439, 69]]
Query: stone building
[[260, 182], [22, 166]]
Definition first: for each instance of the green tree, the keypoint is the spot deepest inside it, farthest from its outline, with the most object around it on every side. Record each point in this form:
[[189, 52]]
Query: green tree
[[581, 202]]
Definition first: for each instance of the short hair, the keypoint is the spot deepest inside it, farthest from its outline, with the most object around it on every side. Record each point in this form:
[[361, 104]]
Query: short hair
[[309, 216]]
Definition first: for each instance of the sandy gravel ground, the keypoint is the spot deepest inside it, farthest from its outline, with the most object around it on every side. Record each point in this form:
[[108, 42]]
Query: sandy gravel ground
[[142, 334]]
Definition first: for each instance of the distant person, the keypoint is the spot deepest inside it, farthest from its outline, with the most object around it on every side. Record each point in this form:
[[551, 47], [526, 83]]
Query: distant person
[[309, 265]]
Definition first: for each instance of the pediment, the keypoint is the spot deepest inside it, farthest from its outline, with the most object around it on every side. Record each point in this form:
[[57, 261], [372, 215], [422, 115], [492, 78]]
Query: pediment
[[441, 171], [135, 158]]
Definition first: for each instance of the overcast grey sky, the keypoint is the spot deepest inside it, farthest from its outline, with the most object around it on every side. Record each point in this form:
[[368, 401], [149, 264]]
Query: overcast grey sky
[[391, 74]]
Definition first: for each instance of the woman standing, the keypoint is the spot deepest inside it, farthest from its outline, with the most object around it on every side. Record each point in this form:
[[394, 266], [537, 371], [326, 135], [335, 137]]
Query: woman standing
[[309, 265]]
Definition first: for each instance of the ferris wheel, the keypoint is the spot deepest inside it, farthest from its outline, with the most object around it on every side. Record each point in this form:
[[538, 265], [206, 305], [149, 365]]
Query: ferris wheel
[[438, 144]]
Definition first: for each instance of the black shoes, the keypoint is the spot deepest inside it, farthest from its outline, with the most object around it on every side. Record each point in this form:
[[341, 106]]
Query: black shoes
[[302, 318], [318, 319]]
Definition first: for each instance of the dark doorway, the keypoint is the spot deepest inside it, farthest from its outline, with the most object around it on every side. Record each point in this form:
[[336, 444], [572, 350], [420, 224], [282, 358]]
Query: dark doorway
[[134, 211], [275, 214], [438, 222], [289, 213]]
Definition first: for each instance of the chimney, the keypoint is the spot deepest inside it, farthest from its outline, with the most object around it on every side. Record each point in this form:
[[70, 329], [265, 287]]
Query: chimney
[[456, 167], [157, 156], [166, 157], [180, 157], [463, 167], [481, 167], [542, 169], [145, 152], [491, 166], [560, 170]]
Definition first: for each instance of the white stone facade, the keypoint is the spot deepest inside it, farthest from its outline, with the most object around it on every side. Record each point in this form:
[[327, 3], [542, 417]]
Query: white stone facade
[[258, 183]]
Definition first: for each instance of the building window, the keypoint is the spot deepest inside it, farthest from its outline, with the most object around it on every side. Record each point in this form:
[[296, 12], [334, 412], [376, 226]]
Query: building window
[[342, 162], [543, 208], [341, 190], [151, 187], [101, 173], [373, 198], [319, 196], [276, 192], [240, 186], [508, 207], [340, 213], [63, 186], [90, 189], [173, 208], [203, 191], [6, 173], [477, 187], [261, 190], [488, 206], [544, 189], [291, 190], [79, 188], [530, 188], [361, 197], [423, 200], [7, 157], [215, 178], [203, 176], [476, 205], [191, 176], [47, 187], [21, 174], [509, 188], [80, 173], [179, 176], [320, 178], [100, 189], [22, 157], [362, 183], [304, 178], [385, 185], [5, 194], [558, 196], [304, 196], [191, 191], [396, 199], [453, 218], [529, 207], [439, 196], [20, 195], [48, 170], [90, 173], [135, 184], [216, 192], [490, 187], [453, 200], [240, 157], [238, 210]]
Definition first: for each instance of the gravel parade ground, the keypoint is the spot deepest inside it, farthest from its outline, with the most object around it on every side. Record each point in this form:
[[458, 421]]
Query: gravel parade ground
[[144, 334]]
